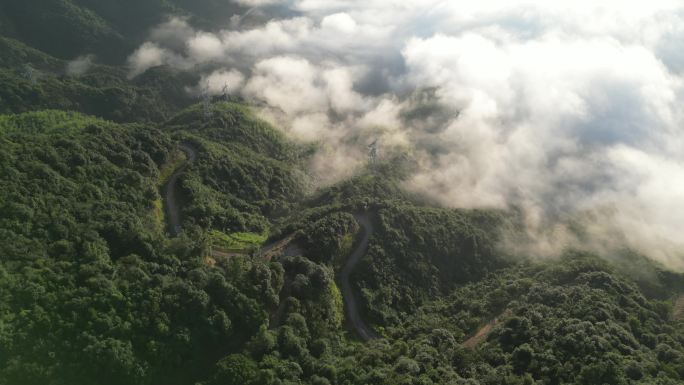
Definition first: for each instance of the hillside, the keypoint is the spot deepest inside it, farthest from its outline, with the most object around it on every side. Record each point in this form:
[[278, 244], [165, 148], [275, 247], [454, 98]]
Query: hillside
[[267, 278], [70, 28], [92, 277], [102, 90], [79, 224]]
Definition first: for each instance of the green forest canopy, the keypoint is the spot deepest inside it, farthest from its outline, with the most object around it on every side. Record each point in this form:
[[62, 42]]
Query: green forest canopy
[[94, 290]]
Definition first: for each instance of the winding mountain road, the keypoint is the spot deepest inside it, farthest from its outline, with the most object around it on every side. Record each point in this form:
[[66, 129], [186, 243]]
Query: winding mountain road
[[364, 331], [351, 306], [170, 196]]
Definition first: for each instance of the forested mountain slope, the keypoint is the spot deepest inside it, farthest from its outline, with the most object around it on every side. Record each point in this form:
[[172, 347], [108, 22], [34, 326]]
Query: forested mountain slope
[[31, 80], [94, 288], [88, 272], [109, 29]]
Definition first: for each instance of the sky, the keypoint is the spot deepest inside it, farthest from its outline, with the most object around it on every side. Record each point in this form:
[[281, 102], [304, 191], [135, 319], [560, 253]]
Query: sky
[[568, 110]]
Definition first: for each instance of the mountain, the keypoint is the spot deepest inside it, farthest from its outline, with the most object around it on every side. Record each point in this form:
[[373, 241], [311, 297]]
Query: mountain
[[111, 30], [258, 282]]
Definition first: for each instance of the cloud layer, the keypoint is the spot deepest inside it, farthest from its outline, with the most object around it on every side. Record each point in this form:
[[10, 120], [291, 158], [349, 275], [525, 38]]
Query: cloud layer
[[560, 108]]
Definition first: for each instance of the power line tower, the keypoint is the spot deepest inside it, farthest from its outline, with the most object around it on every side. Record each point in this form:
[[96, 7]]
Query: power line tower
[[206, 105], [225, 92], [373, 153], [29, 74]]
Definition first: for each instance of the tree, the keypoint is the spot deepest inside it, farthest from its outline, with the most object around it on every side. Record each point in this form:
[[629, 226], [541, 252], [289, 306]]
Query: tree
[[235, 369]]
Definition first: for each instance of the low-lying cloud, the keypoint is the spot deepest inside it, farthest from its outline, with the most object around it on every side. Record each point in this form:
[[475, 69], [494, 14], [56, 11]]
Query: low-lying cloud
[[80, 65], [560, 108]]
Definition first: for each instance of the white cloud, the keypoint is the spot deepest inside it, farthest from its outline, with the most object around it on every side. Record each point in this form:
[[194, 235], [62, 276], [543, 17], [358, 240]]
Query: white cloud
[[205, 47], [174, 32], [340, 22], [221, 81], [147, 56], [152, 55], [278, 36], [80, 65], [288, 83], [259, 3], [339, 84], [563, 107]]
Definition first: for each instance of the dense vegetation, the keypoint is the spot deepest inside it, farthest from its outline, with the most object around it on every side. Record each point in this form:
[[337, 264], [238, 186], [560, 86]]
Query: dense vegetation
[[94, 290], [90, 283], [102, 91], [420, 253], [109, 29]]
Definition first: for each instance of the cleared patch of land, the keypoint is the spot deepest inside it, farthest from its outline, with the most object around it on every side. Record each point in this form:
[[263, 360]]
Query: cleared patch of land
[[484, 331], [237, 242], [678, 308]]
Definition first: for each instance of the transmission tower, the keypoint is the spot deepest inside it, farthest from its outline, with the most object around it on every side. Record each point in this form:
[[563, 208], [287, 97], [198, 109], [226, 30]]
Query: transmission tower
[[373, 153], [206, 105], [225, 92], [29, 74]]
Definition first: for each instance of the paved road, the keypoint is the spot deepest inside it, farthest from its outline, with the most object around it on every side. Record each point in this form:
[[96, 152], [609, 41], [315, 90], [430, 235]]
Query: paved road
[[284, 247], [351, 306], [364, 331], [170, 192]]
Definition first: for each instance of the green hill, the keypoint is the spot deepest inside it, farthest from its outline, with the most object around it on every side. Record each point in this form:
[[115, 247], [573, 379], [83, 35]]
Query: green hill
[[102, 91], [109, 29], [95, 288], [61, 28], [92, 284], [77, 198], [46, 122]]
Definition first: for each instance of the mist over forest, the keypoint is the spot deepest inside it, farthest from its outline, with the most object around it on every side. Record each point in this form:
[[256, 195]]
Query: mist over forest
[[323, 192], [561, 110]]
